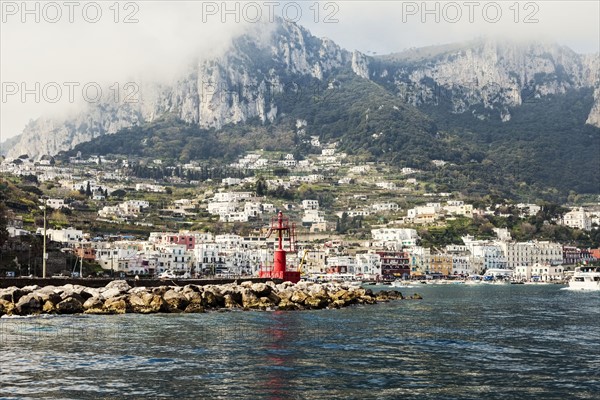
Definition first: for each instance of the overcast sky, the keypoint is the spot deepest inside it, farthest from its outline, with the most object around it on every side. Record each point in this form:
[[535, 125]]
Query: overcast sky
[[156, 39]]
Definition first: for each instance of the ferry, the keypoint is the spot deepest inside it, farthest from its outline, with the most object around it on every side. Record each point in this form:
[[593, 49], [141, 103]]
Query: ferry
[[585, 278]]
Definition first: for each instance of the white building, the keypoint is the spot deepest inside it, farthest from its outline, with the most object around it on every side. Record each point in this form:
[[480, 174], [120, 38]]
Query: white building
[[342, 264], [312, 217], [383, 207], [55, 203], [459, 208], [68, 235], [310, 204], [404, 236], [368, 264], [578, 218], [530, 253], [539, 272]]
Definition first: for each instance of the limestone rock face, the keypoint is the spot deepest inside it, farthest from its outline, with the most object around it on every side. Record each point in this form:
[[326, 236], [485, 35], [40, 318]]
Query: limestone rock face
[[233, 88], [495, 75], [487, 78]]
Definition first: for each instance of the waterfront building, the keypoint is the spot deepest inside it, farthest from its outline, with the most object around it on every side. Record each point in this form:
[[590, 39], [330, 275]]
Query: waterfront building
[[368, 264], [539, 272], [394, 264], [529, 253]]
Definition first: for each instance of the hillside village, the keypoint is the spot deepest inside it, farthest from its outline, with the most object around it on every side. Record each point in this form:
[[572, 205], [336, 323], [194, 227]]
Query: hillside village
[[354, 218]]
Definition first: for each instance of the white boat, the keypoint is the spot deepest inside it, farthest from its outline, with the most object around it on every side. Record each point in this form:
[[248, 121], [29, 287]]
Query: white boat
[[401, 284], [585, 278], [167, 275]]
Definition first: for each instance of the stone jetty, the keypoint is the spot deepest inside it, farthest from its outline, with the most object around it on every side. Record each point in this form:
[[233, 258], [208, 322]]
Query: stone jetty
[[117, 297]]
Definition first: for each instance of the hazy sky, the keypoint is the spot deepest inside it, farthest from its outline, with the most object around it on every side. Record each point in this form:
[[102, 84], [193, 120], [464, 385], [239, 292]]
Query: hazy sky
[[63, 47]]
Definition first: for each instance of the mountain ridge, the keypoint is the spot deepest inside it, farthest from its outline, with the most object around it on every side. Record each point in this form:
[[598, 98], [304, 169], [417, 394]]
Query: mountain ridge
[[379, 107]]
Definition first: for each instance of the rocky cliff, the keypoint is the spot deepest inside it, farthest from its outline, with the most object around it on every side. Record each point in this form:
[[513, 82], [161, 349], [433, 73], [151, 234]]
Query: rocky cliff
[[485, 78]]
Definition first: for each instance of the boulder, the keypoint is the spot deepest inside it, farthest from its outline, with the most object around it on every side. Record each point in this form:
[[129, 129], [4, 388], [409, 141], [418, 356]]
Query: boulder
[[212, 298], [175, 300], [160, 290], [193, 297], [111, 293], [70, 305], [28, 304], [260, 289], [192, 288], [93, 302], [234, 292], [12, 294], [72, 294], [49, 307], [357, 291], [298, 297], [194, 308], [367, 300], [339, 294], [249, 299], [121, 285], [265, 303], [53, 295], [286, 293], [315, 302], [274, 298], [6, 307], [230, 302], [285, 285], [394, 294], [318, 291], [116, 305], [90, 292], [146, 303], [339, 303], [286, 304]]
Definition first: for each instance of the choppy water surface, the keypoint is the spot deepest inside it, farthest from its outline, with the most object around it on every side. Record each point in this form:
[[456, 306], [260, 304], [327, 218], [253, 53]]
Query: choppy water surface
[[501, 342]]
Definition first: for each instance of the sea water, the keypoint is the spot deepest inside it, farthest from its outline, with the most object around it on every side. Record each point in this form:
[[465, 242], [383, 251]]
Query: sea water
[[459, 342]]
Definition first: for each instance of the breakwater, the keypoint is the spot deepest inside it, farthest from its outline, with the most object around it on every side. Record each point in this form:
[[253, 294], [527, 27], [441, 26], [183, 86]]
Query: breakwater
[[118, 297]]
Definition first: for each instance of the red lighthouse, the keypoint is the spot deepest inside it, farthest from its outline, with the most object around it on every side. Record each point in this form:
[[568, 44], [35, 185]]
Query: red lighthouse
[[284, 232]]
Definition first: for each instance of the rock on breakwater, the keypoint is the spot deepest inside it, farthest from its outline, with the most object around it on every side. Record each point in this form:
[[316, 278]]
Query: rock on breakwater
[[117, 297]]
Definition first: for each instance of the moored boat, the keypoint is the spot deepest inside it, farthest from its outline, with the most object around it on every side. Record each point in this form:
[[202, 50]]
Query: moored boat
[[585, 278]]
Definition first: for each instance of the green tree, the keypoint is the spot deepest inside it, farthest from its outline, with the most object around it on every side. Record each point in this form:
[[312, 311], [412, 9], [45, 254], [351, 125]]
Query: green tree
[[3, 223], [261, 187]]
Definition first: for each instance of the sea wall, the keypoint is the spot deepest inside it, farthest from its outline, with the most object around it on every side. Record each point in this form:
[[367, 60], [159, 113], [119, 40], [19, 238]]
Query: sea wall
[[117, 297]]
